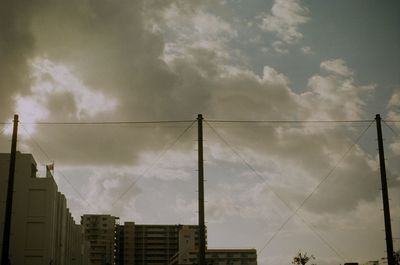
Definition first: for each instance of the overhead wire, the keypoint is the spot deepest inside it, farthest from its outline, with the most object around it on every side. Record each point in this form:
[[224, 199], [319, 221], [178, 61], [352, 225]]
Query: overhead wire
[[2, 130], [278, 196], [61, 173], [155, 161], [164, 151], [108, 122], [128, 122], [295, 212], [390, 128], [287, 121]]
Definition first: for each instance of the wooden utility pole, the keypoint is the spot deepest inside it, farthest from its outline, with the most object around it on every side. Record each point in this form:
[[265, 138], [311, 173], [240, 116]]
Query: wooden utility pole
[[385, 196], [202, 233], [10, 189]]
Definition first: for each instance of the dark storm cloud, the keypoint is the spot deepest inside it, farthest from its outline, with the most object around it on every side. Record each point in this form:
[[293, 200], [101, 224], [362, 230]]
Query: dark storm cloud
[[16, 47], [112, 49]]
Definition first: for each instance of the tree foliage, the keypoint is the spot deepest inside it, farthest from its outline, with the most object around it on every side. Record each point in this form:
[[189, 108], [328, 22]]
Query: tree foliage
[[302, 259]]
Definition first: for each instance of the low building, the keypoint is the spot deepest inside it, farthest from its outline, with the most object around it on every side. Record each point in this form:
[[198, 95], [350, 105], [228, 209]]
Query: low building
[[218, 257], [188, 253]]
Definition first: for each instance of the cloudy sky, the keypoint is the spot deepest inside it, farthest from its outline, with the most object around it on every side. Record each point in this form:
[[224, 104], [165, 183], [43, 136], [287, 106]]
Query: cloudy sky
[[276, 187]]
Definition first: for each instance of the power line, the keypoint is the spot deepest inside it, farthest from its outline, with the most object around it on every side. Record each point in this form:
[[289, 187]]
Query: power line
[[288, 121], [107, 122], [305, 200], [390, 127], [62, 174], [155, 161], [3, 129], [280, 198], [184, 121], [317, 187], [35, 142]]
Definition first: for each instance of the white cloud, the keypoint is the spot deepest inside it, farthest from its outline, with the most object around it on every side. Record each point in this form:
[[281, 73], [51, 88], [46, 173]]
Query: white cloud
[[104, 62], [395, 100], [395, 148], [285, 18], [52, 79], [194, 29], [306, 50], [105, 190], [394, 115], [336, 66], [31, 108], [280, 47], [336, 94]]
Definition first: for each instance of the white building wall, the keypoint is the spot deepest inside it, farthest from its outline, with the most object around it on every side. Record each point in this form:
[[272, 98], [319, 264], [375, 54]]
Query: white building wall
[[42, 230]]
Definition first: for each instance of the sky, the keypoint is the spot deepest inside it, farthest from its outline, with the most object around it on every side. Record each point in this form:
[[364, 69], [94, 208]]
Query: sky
[[277, 187]]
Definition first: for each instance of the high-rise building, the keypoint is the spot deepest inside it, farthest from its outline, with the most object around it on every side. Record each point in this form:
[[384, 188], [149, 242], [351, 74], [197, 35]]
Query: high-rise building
[[42, 228], [143, 244], [100, 231], [125, 245]]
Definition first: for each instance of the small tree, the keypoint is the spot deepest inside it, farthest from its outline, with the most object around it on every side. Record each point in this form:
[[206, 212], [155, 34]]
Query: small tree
[[302, 259]]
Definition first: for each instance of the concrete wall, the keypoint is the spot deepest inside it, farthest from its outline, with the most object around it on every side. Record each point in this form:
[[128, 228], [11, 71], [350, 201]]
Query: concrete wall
[[42, 228]]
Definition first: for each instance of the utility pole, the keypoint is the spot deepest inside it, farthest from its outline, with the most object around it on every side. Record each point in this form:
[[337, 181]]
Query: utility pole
[[385, 197], [7, 222], [202, 234]]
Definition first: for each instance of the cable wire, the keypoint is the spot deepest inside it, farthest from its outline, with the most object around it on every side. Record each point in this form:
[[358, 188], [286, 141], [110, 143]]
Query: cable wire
[[107, 122], [316, 188], [62, 174], [279, 197], [390, 127], [2, 130], [35, 142], [157, 159], [295, 212], [288, 121]]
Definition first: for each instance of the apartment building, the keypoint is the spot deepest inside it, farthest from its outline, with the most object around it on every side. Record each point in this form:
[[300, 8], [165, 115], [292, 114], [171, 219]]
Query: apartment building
[[188, 253], [100, 232], [144, 244], [125, 244], [219, 257], [42, 228]]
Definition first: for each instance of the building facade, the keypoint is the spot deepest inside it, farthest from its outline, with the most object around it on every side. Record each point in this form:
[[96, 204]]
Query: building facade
[[143, 244], [42, 228], [188, 253], [125, 245], [100, 232]]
